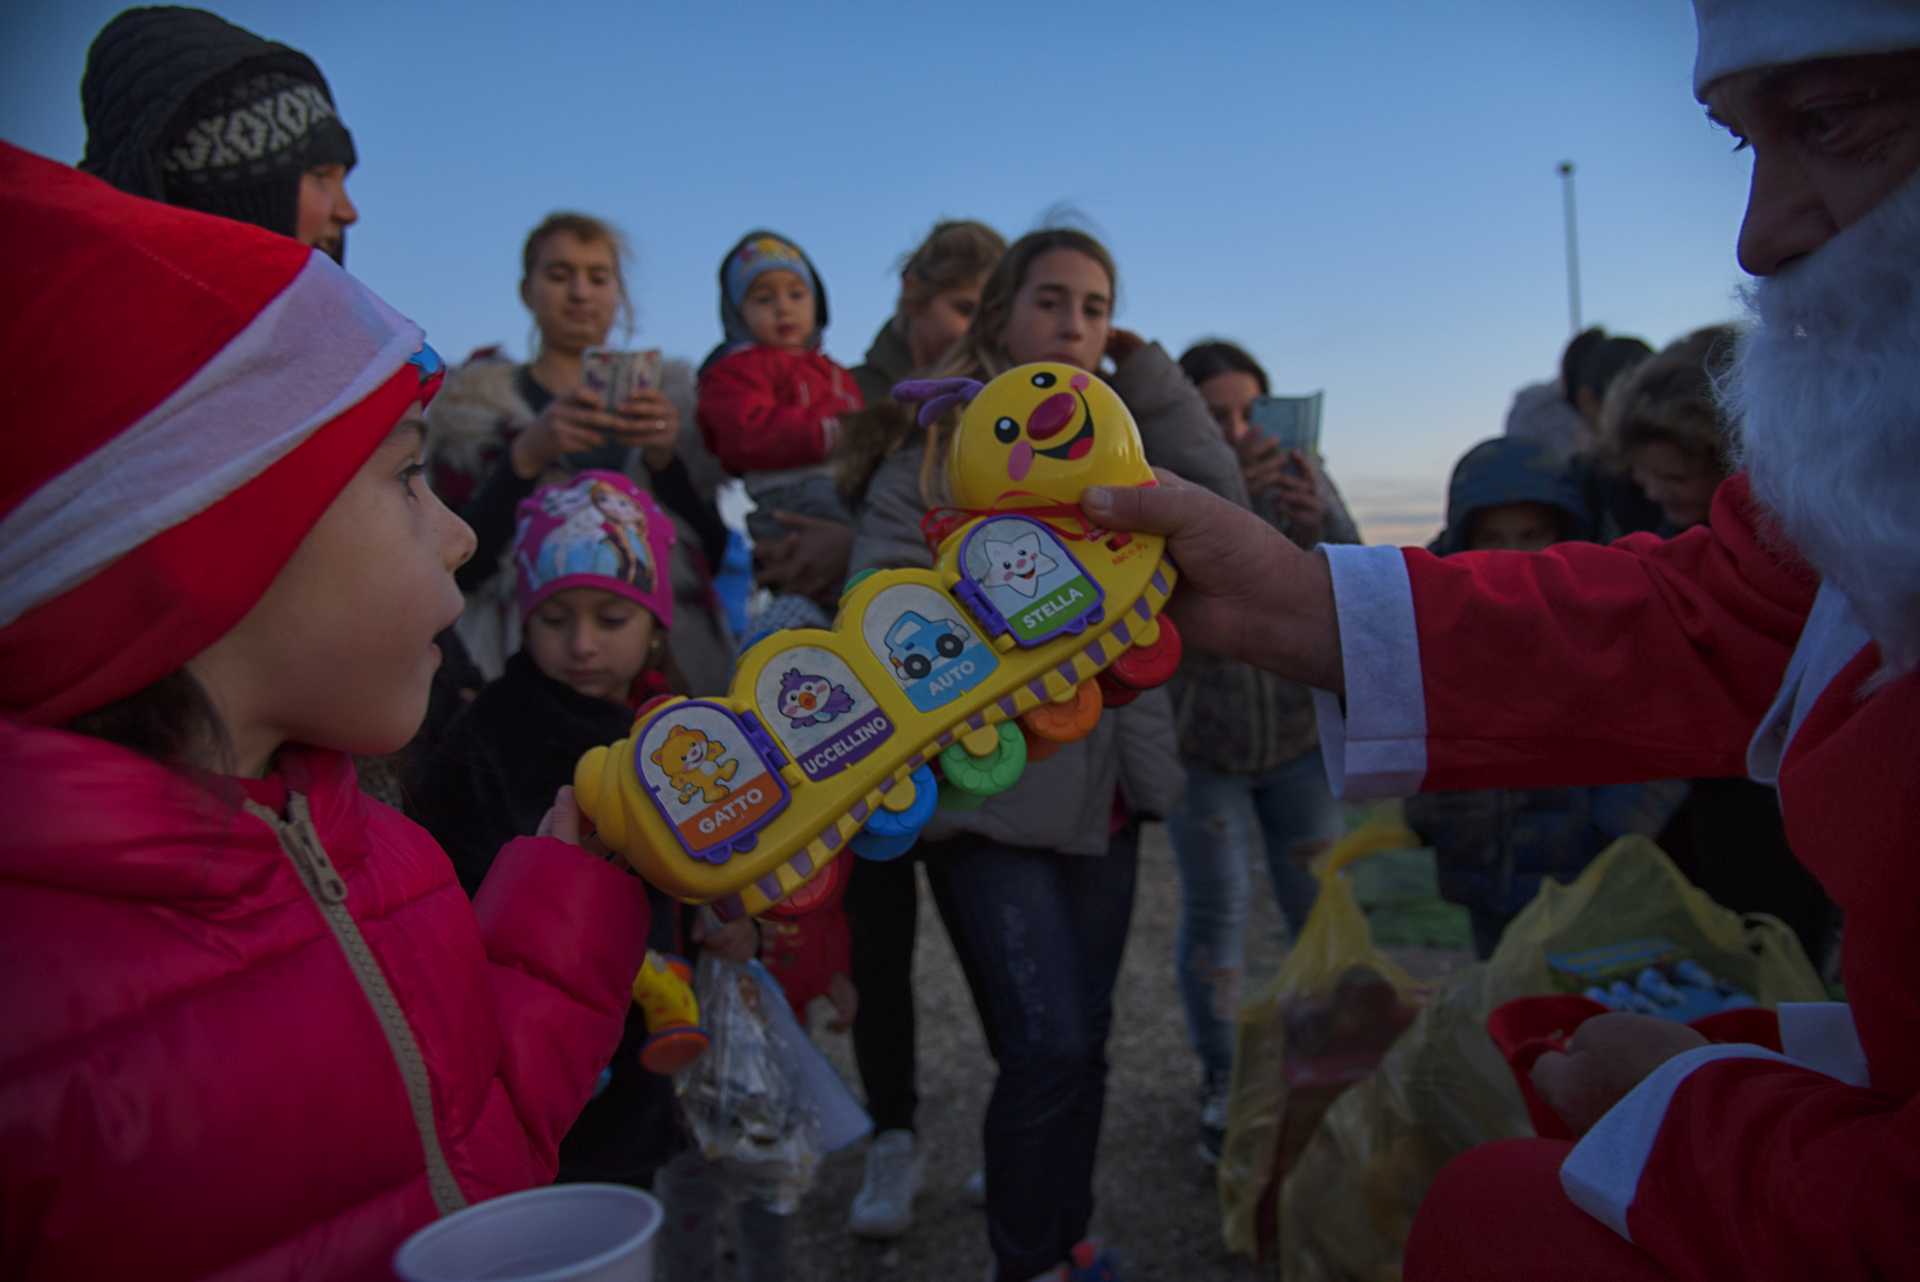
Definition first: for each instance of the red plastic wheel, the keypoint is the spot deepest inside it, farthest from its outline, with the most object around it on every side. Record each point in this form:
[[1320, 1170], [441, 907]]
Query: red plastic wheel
[[1145, 666], [818, 891], [1115, 693]]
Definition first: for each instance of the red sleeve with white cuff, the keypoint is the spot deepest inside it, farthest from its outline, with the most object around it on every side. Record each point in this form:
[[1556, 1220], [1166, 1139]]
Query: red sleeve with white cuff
[[1686, 658], [1585, 664], [1734, 1161]]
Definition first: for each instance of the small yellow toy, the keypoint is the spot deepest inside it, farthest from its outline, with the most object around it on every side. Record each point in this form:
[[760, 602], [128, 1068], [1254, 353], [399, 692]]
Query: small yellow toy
[[664, 992], [1030, 623]]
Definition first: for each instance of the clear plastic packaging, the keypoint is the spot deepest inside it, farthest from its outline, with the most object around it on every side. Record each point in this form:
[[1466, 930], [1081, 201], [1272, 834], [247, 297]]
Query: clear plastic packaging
[[763, 1102]]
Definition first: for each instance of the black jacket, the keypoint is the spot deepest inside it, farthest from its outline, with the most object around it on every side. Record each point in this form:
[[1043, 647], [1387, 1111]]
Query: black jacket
[[491, 779]]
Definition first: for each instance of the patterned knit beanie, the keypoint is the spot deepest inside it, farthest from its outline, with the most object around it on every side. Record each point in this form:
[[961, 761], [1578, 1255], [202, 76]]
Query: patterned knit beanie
[[183, 106], [240, 144]]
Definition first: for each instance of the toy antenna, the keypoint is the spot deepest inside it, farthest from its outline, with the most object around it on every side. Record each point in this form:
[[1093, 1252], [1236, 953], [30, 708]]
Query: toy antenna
[[937, 395]]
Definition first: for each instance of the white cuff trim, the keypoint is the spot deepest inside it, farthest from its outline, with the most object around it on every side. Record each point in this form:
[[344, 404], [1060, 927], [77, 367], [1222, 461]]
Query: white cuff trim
[[1822, 1036], [1602, 1172], [1377, 745], [319, 348]]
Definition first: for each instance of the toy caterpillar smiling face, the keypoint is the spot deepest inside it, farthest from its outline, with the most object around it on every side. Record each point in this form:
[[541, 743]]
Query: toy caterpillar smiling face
[[1043, 431]]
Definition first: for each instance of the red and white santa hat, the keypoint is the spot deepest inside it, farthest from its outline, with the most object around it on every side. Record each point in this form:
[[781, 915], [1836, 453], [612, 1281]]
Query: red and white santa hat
[[185, 395], [1742, 35]]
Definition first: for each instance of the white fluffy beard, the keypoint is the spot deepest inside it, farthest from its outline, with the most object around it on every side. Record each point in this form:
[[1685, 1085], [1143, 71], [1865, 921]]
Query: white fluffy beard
[[1824, 393]]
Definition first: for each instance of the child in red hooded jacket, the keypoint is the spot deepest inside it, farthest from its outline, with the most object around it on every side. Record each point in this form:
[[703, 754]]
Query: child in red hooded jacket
[[254, 1026], [770, 400]]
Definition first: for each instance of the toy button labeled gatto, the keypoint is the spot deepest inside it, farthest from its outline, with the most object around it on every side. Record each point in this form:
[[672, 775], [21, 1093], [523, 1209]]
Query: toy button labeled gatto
[[708, 779]]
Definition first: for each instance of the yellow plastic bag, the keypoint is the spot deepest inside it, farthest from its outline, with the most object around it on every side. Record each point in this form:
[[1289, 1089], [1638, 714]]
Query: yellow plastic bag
[[1319, 1026], [1443, 1088]]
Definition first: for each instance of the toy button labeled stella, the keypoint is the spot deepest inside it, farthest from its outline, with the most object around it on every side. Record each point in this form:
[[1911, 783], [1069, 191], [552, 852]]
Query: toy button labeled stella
[[932, 685]]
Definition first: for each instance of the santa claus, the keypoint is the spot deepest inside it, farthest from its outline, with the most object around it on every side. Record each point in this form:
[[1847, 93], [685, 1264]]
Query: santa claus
[[1781, 641]]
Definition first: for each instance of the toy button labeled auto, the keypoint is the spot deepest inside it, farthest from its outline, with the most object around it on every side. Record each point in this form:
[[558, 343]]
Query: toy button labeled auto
[[933, 652]]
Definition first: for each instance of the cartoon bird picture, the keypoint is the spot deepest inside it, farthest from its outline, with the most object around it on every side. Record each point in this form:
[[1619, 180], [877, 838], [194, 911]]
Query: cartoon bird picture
[[807, 700], [695, 764], [1017, 564], [1042, 432]]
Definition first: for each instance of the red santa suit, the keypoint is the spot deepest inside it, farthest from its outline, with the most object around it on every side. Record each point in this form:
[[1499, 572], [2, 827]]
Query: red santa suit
[[1709, 654]]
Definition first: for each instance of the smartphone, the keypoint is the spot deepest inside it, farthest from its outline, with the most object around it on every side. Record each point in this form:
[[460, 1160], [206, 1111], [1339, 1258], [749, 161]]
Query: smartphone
[[617, 375], [1292, 421]]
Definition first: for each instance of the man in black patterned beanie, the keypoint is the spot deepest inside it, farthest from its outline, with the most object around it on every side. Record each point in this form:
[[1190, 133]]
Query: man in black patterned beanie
[[183, 106]]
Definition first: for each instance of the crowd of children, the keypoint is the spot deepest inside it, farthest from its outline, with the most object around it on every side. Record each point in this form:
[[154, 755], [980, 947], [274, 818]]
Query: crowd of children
[[278, 1025]]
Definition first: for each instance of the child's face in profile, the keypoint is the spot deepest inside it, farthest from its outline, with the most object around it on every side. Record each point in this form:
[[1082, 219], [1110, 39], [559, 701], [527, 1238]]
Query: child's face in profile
[[339, 652], [595, 641], [779, 310], [1514, 527]]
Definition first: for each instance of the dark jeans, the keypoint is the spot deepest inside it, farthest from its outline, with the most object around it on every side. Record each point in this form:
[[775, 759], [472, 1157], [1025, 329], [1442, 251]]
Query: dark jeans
[[882, 909], [1040, 937]]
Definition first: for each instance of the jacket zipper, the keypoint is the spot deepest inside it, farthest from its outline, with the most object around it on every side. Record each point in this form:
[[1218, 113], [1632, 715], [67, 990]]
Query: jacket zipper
[[301, 842]]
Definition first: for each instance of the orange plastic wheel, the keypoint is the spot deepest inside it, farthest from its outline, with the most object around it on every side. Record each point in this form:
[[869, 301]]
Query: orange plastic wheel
[[1039, 749], [1067, 721], [1149, 664]]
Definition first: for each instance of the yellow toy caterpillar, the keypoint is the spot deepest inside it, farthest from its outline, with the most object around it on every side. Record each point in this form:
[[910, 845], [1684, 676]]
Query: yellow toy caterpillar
[[1029, 624]]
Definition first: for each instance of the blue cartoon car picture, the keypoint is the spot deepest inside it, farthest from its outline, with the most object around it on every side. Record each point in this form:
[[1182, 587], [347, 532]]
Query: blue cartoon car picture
[[927, 646], [916, 645]]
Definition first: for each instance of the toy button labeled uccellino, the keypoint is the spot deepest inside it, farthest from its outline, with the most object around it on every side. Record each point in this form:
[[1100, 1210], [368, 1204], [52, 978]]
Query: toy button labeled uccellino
[[932, 687]]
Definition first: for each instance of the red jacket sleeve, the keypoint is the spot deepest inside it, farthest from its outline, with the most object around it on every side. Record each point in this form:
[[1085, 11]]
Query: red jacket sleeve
[[1587, 664], [764, 415], [565, 934], [1759, 1169]]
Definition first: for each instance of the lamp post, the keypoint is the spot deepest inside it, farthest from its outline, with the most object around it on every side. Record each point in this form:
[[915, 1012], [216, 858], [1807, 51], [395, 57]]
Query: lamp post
[[1573, 249]]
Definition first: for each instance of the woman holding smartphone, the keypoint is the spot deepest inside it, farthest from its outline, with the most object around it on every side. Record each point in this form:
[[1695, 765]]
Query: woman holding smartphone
[[500, 429], [1255, 782]]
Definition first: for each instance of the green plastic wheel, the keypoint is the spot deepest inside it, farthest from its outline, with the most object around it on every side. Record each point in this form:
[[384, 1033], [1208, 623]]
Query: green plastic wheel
[[994, 773]]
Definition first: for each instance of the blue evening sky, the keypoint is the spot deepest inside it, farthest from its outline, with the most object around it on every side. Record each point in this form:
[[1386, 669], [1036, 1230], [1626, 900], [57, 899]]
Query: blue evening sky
[[1363, 194]]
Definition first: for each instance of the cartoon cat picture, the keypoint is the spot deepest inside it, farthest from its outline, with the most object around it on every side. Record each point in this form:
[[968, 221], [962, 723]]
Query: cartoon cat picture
[[693, 764], [1017, 563], [806, 700]]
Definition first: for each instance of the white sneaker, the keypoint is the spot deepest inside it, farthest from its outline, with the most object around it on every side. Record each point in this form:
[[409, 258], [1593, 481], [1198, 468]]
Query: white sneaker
[[883, 1208], [1213, 1121], [975, 1189]]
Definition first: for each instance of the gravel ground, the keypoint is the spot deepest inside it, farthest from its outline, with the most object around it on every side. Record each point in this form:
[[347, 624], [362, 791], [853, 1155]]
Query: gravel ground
[[1155, 1199]]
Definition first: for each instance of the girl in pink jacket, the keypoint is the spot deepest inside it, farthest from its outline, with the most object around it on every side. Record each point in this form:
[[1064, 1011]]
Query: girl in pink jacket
[[253, 1027]]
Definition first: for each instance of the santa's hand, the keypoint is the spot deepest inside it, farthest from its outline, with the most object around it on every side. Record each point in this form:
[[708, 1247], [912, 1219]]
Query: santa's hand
[[1245, 590], [1606, 1057]]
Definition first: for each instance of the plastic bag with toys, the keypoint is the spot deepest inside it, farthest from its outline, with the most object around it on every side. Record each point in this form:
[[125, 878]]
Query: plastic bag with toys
[[1445, 1087], [1322, 1024], [762, 1101]]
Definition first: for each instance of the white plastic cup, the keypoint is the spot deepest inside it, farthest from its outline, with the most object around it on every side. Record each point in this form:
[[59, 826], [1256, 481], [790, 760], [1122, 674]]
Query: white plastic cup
[[565, 1233]]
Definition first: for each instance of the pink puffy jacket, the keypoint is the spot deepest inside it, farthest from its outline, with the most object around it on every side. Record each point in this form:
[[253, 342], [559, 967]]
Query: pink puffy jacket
[[243, 1046]]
